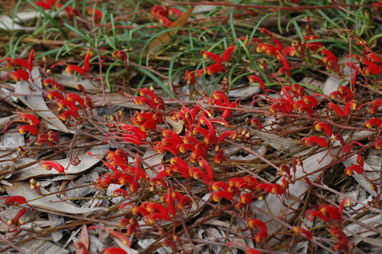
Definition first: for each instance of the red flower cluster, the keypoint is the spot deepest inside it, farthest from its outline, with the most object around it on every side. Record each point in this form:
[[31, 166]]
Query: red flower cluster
[[163, 13]]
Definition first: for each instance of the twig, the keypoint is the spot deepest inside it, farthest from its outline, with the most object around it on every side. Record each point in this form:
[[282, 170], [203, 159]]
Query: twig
[[325, 187], [11, 244], [290, 227]]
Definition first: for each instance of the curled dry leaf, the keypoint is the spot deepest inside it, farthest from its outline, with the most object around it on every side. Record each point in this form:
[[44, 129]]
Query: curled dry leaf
[[177, 126]]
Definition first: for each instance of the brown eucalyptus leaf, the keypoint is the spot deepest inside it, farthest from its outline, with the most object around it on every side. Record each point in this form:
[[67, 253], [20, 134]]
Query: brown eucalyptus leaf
[[165, 38], [46, 202], [34, 100], [87, 161]]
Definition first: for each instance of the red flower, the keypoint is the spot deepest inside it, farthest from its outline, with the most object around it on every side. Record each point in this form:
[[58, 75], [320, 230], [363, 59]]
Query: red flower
[[97, 13], [47, 4], [299, 230], [18, 75], [357, 168], [262, 234], [321, 126], [256, 79], [28, 128], [310, 141]]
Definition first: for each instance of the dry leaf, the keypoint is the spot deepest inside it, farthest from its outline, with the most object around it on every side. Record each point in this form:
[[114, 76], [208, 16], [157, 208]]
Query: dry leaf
[[4, 121], [372, 241], [177, 126], [69, 81], [373, 220], [223, 224], [6, 23], [213, 234], [152, 162], [299, 188], [276, 141], [10, 140], [332, 82], [56, 236], [203, 8], [359, 177], [165, 38], [36, 100], [84, 239], [46, 202], [115, 99], [87, 161], [38, 246], [262, 150], [96, 244], [26, 16], [244, 92]]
